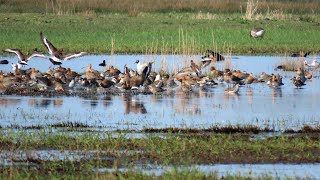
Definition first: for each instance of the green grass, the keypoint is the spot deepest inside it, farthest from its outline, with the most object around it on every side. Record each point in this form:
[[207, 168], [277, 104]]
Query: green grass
[[178, 148], [108, 151], [157, 33], [133, 7]]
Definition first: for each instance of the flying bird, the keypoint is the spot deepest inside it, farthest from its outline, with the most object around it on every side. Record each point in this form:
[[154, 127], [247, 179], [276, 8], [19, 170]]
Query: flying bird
[[57, 55], [23, 59]]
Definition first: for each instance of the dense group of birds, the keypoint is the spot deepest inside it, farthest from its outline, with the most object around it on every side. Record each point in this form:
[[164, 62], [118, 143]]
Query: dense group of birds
[[60, 79]]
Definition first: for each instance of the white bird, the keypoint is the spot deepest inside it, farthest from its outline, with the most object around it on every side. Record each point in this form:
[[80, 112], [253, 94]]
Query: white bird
[[257, 32], [141, 67], [71, 84], [314, 63], [16, 66]]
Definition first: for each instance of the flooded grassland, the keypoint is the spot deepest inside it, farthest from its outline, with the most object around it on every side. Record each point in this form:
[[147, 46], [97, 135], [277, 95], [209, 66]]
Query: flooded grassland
[[134, 133]]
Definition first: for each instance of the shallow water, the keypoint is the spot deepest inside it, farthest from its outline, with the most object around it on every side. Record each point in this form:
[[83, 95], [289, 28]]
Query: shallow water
[[257, 104], [282, 171], [276, 171]]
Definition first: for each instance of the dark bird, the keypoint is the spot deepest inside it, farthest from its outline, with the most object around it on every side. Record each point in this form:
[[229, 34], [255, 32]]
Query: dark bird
[[297, 82], [214, 56], [300, 54], [23, 59], [4, 62], [58, 54], [103, 63]]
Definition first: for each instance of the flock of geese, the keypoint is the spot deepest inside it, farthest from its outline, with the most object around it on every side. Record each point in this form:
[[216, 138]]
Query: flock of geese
[[62, 79]]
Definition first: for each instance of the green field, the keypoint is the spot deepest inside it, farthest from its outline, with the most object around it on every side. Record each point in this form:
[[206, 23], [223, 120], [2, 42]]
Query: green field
[[183, 33]]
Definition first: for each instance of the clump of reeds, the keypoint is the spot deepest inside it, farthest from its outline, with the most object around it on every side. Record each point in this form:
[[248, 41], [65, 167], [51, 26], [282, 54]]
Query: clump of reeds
[[291, 64], [252, 9], [201, 15]]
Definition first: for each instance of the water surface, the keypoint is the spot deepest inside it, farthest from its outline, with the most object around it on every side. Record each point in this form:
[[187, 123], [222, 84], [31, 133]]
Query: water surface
[[257, 104]]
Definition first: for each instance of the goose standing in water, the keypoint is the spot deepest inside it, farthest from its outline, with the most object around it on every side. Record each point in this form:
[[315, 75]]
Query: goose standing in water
[[297, 82], [23, 59], [57, 55], [232, 90], [257, 32]]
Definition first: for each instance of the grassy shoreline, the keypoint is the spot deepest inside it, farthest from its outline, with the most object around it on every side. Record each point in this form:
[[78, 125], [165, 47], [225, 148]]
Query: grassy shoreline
[[174, 149], [87, 152], [161, 33]]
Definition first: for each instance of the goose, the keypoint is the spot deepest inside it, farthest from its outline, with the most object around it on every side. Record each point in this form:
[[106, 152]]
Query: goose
[[215, 73], [257, 32], [154, 89], [195, 68], [214, 56], [264, 77], [275, 81], [250, 79], [297, 82], [57, 55], [23, 59], [232, 90], [112, 71], [106, 83], [92, 74]]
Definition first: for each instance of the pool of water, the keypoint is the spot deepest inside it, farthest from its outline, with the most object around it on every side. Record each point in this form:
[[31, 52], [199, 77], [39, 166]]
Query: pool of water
[[281, 108], [276, 171]]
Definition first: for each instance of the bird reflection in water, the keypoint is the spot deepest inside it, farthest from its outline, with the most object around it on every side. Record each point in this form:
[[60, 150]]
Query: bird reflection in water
[[107, 100], [92, 101], [249, 94], [276, 92], [187, 103], [132, 105], [7, 102], [57, 102], [233, 96], [39, 102]]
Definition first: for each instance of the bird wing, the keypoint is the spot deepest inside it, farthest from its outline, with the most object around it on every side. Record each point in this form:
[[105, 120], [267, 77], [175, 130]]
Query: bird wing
[[36, 55], [16, 51], [74, 55], [204, 63], [48, 44]]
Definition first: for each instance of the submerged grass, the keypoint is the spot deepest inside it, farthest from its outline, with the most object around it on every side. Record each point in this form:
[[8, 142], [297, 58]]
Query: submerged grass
[[113, 153], [157, 33], [177, 149], [16, 173]]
